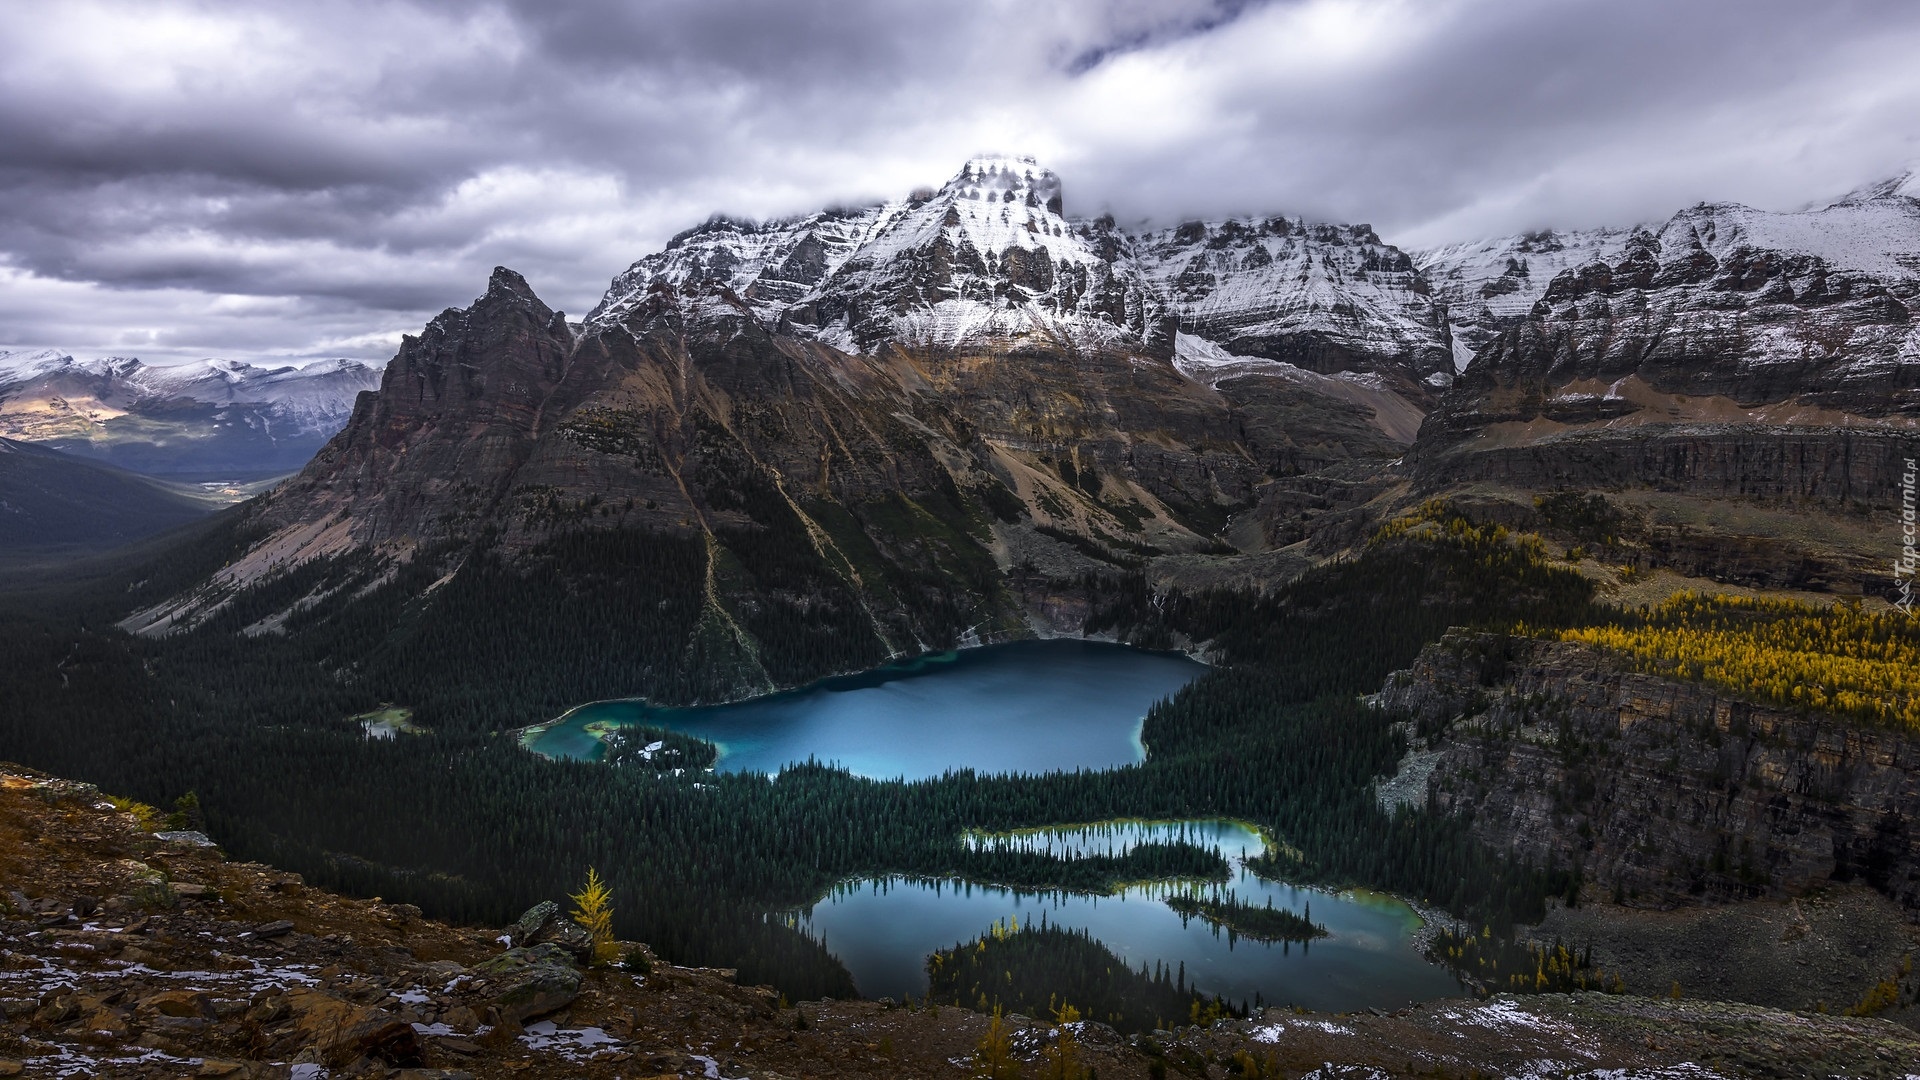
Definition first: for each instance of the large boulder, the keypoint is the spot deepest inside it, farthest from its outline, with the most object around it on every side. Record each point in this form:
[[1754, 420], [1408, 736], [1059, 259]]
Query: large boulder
[[542, 924], [342, 1032], [532, 922], [530, 982]]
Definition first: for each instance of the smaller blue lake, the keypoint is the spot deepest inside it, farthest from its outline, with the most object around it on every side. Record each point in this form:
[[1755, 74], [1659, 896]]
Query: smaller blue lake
[[1028, 707], [883, 929]]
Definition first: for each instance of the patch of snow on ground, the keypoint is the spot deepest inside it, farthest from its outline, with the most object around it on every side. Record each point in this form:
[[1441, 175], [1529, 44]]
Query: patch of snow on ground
[[1270, 1033], [1502, 1015], [1330, 1071], [573, 1044], [1684, 1071], [68, 1061]]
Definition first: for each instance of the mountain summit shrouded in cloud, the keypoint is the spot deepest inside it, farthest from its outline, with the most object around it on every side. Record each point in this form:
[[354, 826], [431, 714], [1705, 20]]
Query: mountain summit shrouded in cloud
[[292, 183]]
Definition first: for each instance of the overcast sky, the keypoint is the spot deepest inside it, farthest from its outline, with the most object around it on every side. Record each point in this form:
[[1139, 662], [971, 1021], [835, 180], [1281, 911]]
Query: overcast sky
[[288, 181]]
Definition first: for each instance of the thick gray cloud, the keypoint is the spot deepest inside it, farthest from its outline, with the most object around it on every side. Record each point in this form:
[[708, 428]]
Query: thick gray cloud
[[259, 180]]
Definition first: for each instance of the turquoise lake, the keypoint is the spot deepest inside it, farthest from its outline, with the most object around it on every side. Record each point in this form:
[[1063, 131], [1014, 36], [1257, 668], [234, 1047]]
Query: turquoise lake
[[1029, 706]]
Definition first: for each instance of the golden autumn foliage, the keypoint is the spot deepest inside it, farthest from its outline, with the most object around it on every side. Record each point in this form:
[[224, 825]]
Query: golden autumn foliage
[[149, 818], [1503, 965], [594, 911], [993, 1055], [1062, 1059], [1838, 659], [1435, 520]]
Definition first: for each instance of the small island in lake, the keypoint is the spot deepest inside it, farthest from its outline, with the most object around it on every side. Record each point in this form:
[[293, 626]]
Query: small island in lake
[[1267, 924]]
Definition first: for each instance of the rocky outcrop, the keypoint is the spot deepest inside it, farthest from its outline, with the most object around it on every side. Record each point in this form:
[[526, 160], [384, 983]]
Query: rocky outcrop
[[1661, 792], [542, 924], [525, 983]]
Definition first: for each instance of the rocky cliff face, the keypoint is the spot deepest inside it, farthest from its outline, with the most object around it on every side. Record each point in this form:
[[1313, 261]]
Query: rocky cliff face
[[1325, 298], [1731, 352], [940, 417], [459, 405], [1490, 285], [1661, 792]]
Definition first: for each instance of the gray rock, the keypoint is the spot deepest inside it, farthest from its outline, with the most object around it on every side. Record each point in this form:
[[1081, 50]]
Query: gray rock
[[189, 837], [531, 982], [542, 924], [535, 919], [570, 936]]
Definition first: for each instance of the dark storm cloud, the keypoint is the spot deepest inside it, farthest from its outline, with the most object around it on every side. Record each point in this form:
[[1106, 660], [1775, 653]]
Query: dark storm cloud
[[207, 178]]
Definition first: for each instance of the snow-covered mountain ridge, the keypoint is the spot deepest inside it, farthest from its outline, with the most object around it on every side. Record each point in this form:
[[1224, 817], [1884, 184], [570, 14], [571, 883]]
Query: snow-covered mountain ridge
[[322, 389], [219, 418], [992, 260], [1870, 234]]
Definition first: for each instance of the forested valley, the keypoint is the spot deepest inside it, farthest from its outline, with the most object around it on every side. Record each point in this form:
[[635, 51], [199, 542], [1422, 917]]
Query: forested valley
[[463, 822]]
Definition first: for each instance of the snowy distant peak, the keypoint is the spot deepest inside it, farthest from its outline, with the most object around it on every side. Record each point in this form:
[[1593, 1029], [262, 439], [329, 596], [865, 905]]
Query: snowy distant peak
[[1505, 275], [1878, 237], [770, 265], [316, 395], [18, 365], [1875, 230], [1902, 185], [989, 258], [215, 381], [1324, 297], [1004, 179]]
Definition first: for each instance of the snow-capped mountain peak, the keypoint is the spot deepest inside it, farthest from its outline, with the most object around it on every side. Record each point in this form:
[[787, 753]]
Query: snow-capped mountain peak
[[1901, 185], [106, 405], [1004, 179], [22, 364], [990, 259]]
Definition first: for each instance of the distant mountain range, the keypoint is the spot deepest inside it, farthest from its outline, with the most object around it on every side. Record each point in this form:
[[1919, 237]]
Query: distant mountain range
[[959, 412], [216, 420]]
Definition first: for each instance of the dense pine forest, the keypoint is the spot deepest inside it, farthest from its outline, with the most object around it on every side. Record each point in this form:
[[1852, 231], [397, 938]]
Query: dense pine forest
[[468, 825], [1038, 970]]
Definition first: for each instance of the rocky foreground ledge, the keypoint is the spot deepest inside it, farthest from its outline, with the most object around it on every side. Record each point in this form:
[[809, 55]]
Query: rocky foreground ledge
[[128, 953]]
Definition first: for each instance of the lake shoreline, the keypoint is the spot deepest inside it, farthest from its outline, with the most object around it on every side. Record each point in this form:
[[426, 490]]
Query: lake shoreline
[[1027, 707], [528, 733], [882, 925]]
